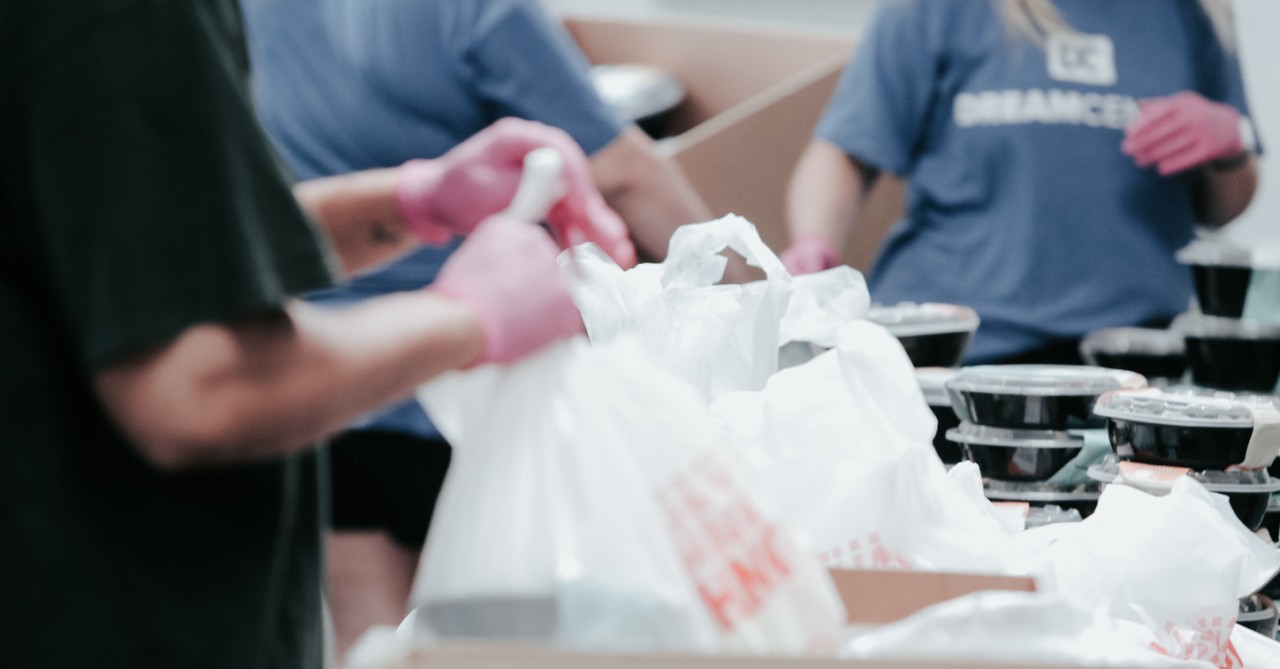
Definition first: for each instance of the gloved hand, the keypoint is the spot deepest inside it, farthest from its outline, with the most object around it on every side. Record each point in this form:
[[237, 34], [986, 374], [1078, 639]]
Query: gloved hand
[[1182, 131], [452, 194], [811, 253], [507, 271]]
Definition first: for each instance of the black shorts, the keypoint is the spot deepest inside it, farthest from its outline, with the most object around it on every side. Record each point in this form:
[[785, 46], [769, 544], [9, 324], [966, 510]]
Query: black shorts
[[388, 481]]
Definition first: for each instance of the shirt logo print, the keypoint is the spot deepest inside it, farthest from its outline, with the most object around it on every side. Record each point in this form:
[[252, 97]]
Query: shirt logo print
[[1082, 59]]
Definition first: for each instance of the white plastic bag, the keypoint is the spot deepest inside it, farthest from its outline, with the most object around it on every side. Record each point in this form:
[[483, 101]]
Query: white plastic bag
[[1175, 565], [822, 303], [843, 445], [1013, 627], [591, 503], [720, 338]]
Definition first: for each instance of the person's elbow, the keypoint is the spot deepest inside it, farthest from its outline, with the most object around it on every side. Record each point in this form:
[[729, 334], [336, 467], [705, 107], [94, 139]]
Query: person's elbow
[[173, 404]]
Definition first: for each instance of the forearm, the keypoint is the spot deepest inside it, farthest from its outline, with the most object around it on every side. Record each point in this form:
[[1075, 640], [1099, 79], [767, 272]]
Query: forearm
[[648, 190], [1223, 194], [274, 385], [825, 193], [359, 213]]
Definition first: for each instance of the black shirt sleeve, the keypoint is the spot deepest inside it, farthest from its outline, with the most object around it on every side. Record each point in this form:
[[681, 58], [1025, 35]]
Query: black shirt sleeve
[[155, 199]]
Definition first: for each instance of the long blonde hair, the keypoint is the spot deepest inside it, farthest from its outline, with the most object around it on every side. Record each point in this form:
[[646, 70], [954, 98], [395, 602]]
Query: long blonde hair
[[1037, 19]]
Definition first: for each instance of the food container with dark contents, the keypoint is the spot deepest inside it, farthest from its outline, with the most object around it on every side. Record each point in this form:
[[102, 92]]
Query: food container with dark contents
[[1222, 274], [1159, 355], [1249, 492], [1231, 354], [1035, 397], [642, 94], [932, 382], [934, 335], [1178, 429], [1016, 455], [1082, 498], [1243, 398], [1258, 613], [1271, 520]]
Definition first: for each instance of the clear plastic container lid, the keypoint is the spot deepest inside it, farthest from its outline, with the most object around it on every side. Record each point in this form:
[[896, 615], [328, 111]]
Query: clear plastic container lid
[[1247, 398], [1134, 341], [1040, 491], [1161, 407], [1242, 481], [1201, 326], [933, 383], [1044, 380], [637, 91], [1215, 253], [981, 435], [908, 319]]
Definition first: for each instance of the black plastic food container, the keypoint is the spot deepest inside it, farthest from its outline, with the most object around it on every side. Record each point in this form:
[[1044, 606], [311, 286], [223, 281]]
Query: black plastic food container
[[1230, 354], [1083, 498], [1155, 354], [1222, 273], [932, 382], [1016, 455], [933, 335], [1271, 520], [1035, 397], [1249, 492], [1181, 430]]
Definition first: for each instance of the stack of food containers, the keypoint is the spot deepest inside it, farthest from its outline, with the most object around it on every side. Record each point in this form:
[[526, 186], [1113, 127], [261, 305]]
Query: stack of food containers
[[1228, 347], [1233, 339], [1224, 441], [935, 337], [1032, 431]]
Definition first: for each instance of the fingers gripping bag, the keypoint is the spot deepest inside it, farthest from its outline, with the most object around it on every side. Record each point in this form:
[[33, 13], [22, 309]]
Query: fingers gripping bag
[[720, 338], [591, 504]]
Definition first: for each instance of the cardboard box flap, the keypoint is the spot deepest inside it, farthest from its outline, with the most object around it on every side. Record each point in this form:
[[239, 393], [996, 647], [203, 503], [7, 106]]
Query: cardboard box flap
[[500, 657], [753, 99], [877, 597], [719, 67]]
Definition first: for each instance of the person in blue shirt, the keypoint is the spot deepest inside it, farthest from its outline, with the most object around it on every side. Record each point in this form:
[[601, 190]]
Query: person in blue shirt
[[1057, 154], [346, 85]]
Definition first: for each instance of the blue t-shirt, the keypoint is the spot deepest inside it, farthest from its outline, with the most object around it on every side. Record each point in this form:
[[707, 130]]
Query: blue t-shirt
[[347, 85], [1021, 203]]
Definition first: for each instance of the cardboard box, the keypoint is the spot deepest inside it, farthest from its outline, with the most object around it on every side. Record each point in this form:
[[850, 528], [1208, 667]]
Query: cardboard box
[[869, 596], [493, 657], [873, 597], [753, 99]]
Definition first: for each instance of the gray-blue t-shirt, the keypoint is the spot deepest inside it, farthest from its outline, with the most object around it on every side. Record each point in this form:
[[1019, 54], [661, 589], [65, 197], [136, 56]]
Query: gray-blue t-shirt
[[347, 85], [1020, 201]]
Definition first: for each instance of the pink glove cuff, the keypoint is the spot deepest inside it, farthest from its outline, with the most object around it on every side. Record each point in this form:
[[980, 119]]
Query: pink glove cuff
[[418, 179], [495, 349]]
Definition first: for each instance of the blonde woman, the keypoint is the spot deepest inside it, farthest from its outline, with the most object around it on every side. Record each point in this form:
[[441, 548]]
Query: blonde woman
[[1058, 154]]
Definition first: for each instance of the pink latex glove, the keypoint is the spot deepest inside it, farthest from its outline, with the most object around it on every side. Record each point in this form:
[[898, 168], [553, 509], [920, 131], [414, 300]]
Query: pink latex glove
[[811, 253], [450, 195], [1182, 131], [507, 271]]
